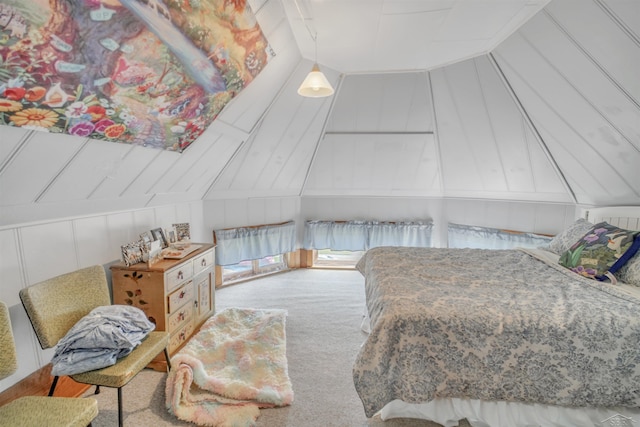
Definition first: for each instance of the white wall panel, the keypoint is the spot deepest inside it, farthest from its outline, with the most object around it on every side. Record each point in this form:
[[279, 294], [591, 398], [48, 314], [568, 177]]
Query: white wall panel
[[120, 231], [49, 250], [91, 247], [226, 213], [144, 220], [519, 216], [11, 279]]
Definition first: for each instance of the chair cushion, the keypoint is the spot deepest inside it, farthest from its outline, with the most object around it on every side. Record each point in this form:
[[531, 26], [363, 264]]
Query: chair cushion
[[8, 356], [55, 305], [38, 411], [126, 368]]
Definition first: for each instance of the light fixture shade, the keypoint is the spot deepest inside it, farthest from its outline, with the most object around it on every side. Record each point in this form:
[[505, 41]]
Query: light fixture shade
[[315, 85]]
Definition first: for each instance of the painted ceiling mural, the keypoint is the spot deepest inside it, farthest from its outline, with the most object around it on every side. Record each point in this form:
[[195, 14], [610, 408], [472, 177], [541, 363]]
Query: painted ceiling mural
[[146, 72]]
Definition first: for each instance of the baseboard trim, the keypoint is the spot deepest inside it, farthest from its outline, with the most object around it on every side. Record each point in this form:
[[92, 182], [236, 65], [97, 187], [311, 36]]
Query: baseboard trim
[[38, 384]]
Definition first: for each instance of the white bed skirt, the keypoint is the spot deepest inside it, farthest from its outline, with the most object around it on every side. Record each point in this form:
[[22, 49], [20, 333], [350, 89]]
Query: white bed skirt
[[510, 414]]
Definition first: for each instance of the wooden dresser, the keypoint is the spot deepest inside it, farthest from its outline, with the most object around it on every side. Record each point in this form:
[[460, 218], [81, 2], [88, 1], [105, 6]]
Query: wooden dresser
[[178, 295]]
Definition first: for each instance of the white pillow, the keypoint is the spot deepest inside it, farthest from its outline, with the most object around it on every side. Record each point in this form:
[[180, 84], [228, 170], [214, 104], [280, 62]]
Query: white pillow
[[566, 238]]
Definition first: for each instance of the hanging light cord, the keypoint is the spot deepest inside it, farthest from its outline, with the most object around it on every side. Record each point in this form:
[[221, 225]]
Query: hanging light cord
[[314, 35]]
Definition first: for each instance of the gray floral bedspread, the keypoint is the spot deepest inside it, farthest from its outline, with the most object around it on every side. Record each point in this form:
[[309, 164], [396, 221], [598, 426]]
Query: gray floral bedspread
[[494, 325]]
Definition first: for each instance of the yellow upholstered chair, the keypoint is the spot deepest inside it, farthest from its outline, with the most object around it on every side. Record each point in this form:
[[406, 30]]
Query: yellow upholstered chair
[[56, 304], [37, 411]]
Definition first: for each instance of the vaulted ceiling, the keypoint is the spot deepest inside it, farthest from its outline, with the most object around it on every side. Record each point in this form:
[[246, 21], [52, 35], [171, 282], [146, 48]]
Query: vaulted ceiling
[[496, 99]]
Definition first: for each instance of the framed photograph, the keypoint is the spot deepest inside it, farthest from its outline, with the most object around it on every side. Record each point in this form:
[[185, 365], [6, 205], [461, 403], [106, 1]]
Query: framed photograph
[[155, 253], [133, 253], [171, 235], [146, 238], [182, 231], [158, 234]]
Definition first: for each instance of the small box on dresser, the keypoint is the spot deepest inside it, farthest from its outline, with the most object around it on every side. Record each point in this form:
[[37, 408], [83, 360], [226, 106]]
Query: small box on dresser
[[177, 295]]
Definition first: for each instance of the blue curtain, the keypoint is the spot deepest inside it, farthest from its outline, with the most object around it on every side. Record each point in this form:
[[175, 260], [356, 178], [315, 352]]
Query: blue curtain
[[248, 243], [469, 236], [363, 235]]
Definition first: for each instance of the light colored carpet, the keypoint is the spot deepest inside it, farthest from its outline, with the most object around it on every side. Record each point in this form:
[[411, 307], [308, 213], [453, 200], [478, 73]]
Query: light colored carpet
[[323, 337]]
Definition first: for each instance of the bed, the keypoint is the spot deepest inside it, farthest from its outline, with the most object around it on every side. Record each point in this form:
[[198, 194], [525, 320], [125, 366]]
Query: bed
[[501, 337]]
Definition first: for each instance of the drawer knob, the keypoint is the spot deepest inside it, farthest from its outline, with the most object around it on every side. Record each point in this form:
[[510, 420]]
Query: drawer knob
[[203, 262], [182, 294], [180, 274]]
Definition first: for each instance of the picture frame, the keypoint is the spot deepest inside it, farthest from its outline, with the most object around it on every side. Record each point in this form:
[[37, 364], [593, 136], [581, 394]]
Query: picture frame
[[133, 253], [146, 238], [155, 253], [158, 234], [183, 231]]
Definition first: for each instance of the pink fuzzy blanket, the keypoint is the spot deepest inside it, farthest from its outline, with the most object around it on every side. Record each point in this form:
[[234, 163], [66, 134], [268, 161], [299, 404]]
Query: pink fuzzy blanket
[[233, 366]]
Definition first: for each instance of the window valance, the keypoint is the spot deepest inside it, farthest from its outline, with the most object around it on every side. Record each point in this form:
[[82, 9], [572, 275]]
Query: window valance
[[255, 242], [469, 236], [363, 235]]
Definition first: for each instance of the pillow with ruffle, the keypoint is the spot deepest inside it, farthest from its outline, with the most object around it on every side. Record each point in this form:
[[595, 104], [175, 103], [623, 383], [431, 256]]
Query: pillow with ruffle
[[630, 272], [563, 240], [604, 249]]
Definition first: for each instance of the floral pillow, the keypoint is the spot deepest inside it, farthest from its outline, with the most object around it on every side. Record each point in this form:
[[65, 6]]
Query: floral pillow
[[603, 249], [563, 240]]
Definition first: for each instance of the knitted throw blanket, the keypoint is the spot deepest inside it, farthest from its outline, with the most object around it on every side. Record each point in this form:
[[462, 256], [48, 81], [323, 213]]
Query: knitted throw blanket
[[235, 365]]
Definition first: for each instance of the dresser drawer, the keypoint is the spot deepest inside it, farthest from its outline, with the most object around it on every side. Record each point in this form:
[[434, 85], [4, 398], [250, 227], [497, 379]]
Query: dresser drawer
[[180, 337], [202, 262], [178, 275], [180, 297], [179, 317]]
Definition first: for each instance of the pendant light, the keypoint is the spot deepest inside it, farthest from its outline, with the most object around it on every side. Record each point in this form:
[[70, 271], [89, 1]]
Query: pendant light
[[315, 85]]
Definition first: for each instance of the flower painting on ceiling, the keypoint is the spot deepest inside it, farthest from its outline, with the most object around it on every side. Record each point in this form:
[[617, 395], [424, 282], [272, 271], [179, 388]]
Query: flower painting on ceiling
[[146, 72]]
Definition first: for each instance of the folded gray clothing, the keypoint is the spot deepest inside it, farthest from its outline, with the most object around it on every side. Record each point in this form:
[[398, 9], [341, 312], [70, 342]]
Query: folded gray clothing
[[101, 337]]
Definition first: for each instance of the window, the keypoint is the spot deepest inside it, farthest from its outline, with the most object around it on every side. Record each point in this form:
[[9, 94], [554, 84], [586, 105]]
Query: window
[[325, 258], [249, 269]]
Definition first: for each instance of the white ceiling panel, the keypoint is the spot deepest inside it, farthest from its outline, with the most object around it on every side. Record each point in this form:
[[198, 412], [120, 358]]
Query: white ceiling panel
[[394, 102], [602, 38], [276, 157], [579, 72], [627, 12], [149, 175], [384, 164], [10, 138], [364, 36], [486, 145], [593, 144], [205, 167], [34, 165], [122, 170], [93, 162]]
